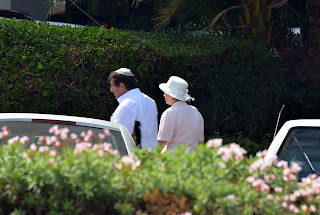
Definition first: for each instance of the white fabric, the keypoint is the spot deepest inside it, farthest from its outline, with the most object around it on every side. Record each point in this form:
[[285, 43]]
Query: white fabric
[[181, 124], [177, 88], [124, 71], [136, 106]]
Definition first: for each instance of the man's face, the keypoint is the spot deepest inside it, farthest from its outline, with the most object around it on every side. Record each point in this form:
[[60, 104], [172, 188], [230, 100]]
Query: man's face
[[117, 90]]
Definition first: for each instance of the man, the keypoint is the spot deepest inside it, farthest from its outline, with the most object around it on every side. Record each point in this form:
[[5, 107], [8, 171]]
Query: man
[[137, 111], [181, 123]]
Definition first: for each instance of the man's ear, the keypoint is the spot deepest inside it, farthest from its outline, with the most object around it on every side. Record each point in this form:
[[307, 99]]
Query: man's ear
[[122, 85]]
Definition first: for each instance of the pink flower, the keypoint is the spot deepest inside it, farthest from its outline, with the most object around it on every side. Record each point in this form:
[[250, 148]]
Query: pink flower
[[90, 133], [269, 178], [186, 213], [5, 133], [13, 140], [278, 189], [65, 130], [53, 129], [269, 196], [73, 136], [51, 161], [282, 164], [43, 149], [48, 140], [5, 128], [214, 143], [53, 153], [231, 197], [231, 151], [106, 132], [312, 208], [63, 135], [87, 138], [33, 147], [262, 154], [285, 205], [107, 147], [83, 134], [24, 139], [221, 165], [26, 155], [127, 160], [58, 143], [117, 165], [115, 153], [304, 207], [250, 179], [150, 152], [259, 164], [41, 139], [293, 208], [101, 136]]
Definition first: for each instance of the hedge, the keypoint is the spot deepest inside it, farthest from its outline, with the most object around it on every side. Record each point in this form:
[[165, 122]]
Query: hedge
[[238, 86], [215, 179]]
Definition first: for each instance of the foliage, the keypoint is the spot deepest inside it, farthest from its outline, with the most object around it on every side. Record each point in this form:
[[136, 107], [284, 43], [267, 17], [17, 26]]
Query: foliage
[[214, 179], [238, 85], [251, 146], [194, 15]]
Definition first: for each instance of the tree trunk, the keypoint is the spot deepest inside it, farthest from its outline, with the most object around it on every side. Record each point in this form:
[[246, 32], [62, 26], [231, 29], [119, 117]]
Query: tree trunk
[[312, 33], [307, 59]]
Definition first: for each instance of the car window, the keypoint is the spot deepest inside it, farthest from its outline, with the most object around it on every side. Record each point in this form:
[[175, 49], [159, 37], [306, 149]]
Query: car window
[[36, 129], [309, 141]]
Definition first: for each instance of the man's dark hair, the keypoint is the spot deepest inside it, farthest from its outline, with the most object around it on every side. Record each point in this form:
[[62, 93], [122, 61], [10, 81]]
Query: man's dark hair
[[129, 81]]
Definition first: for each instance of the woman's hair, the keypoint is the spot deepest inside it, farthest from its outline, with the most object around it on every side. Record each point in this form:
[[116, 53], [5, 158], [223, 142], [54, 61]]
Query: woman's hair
[[129, 81]]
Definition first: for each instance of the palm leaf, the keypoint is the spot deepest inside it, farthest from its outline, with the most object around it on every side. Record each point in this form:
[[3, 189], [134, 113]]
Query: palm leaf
[[166, 14], [217, 17]]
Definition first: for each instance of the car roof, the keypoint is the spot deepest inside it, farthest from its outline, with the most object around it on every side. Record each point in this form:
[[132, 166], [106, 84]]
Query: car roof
[[83, 121], [13, 13], [60, 24], [302, 123], [282, 133]]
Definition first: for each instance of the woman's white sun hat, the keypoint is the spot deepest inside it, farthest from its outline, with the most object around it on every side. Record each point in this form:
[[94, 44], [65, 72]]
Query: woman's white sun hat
[[177, 88]]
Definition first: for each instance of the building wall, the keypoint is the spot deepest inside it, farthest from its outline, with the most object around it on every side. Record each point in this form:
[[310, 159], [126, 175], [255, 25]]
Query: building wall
[[5, 4], [36, 8]]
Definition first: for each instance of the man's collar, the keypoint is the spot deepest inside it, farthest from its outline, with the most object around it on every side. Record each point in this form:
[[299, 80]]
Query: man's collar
[[128, 94]]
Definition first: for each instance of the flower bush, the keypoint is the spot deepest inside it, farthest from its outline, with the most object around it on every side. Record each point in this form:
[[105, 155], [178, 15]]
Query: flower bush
[[85, 178]]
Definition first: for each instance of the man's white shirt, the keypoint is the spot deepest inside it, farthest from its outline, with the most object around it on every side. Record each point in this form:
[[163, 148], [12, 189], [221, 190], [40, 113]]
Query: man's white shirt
[[136, 106]]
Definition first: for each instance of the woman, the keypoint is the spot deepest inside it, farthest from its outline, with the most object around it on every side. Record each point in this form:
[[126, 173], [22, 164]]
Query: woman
[[181, 123]]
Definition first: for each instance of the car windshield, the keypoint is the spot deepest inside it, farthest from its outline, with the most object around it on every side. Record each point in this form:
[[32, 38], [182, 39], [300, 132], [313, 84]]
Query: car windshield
[[34, 130], [302, 140]]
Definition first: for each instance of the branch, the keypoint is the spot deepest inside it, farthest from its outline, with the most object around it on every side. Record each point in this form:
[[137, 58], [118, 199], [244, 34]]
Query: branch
[[217, 17], [277, 5]]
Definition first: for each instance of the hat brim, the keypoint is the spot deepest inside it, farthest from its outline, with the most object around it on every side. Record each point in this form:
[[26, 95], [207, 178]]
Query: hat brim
[[164, 87]]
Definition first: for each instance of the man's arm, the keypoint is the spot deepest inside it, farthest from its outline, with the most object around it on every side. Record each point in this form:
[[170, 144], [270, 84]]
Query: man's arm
[[125, 116], [162, 142]]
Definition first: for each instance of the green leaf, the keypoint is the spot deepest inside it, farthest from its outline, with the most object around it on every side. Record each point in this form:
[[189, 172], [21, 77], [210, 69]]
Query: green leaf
[[40, 66], [46, 93]]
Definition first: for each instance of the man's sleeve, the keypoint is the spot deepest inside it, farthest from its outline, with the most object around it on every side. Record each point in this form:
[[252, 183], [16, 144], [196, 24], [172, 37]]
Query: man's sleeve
[[166, 127], [125, 116]]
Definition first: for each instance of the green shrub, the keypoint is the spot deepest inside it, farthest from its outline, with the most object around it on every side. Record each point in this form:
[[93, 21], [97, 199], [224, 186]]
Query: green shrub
[[213, 180], [238, 85], [251, 146]]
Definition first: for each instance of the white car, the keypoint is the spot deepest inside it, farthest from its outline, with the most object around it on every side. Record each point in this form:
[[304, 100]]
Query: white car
[[35, 125], [298, 141]]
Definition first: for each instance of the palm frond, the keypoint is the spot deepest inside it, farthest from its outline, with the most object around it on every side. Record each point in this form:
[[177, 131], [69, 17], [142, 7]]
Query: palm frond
[[166, 14]]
